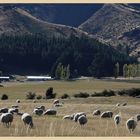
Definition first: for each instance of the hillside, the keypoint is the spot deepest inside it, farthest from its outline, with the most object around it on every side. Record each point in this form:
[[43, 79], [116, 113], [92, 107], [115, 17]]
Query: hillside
[[28, 44], [15, 20], [66, 14], [115, 24]]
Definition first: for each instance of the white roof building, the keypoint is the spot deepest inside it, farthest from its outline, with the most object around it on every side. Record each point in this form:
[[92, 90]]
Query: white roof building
[[39, 77]]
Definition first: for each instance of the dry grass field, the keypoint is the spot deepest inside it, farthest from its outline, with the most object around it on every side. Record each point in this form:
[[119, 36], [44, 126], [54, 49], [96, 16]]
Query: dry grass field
[[19, 90], [54, 125]]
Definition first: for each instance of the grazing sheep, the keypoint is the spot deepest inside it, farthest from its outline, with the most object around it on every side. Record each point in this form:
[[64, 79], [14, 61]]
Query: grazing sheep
[[118, 104], [15, 106], [124, 104], [50, 112], [82, 120], [38, 111], [58, 105], [20, 113], [68, 117], [6, 118], [34, 101], [96, 112], [41, 107], [3, 110], [131, 124], [13, 110], [107, 114], [27, 119], [137, 117], [117, 119], [77, 115], [17, 101], [56, 101]]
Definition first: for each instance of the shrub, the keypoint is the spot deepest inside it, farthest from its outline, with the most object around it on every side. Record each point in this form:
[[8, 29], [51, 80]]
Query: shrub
[[130, 92], [81, 95], [64, 96], [121, 92], [4, 97], [49, 93], [104, 93], [38, 97], [30, 95]]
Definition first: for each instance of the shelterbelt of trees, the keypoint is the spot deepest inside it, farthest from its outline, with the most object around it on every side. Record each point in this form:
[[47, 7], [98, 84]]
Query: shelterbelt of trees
[[83, 56]]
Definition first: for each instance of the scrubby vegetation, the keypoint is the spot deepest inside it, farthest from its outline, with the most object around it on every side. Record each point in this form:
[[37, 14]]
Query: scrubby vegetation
[[38, 97], [30, 95], [105, 93], [49, 93], [4, 97], [65, 96], [81, 95]]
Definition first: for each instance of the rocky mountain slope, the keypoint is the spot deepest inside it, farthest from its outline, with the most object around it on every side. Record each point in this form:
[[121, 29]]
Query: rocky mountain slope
[[66, 14], [118, 25], [15, 20]]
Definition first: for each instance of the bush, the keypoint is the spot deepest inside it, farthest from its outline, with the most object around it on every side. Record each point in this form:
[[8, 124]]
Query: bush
[[121, 92], [4, 97], [49, 93], [30, 95], [38, 97], [64, 96], [104, 93], [130, 92], [81, 95]]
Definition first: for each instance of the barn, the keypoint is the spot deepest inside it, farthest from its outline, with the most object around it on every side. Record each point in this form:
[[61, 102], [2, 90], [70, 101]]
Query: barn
[[38, 78], [4, 78]]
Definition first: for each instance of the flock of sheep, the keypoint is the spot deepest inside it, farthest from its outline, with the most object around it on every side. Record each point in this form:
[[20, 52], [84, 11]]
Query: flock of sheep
[[7, 115]]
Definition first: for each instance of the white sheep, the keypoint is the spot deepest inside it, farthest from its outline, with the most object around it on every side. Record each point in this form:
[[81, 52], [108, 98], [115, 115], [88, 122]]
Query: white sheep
[[68, 117], [6, 118], [77, 115], [56, 101], [137, 117], [96, 112], [118, 104], [107, 114], [15, 106], [82, 119], [50, 112], [58, 105], [27, 119], [34, 101], [41, 107], [3, 110], [117, 119], [38, 111], [131, 124], [13, 110], [17, 101], [20, 113]]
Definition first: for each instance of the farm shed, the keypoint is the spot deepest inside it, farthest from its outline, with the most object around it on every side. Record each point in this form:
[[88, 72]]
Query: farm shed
[[38, 78]]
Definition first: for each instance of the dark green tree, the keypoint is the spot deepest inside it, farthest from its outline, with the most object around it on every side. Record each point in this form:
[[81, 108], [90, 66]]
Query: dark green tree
[[116, 70], [68, 72], [125, 70], [58, 71]]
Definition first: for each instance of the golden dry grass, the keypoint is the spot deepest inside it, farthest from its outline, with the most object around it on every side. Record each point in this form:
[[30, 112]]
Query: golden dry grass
[[19, 90], [54, 125]]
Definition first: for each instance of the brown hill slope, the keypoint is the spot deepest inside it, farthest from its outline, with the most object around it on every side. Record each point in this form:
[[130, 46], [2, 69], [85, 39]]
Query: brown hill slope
[[116, 24], [15, 20]]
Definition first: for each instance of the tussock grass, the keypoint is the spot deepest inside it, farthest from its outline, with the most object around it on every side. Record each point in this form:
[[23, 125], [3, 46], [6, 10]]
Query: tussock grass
[[55, 126]]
